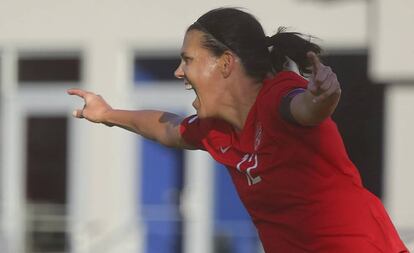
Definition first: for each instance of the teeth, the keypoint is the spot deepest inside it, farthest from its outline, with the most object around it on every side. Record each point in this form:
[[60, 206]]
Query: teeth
[[188, 86]]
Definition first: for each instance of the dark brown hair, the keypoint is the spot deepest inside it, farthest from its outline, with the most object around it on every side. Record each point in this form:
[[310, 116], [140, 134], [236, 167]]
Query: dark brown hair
[[238, 31]]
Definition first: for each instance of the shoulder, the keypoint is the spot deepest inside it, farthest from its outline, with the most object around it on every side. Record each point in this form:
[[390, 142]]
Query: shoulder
[[273, 99], [194, 128], [284, 82], [199, 126], [274, 89]]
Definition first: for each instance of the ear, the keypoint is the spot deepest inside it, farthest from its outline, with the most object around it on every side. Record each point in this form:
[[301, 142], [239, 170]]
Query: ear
[[227, 61]]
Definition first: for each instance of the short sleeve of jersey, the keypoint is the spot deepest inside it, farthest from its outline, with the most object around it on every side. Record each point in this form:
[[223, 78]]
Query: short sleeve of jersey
[[193, 131], [205, 134], [277, 89]]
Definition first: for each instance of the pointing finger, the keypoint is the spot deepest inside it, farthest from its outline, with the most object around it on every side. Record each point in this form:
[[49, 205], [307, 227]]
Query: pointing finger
[[315, 61], [77, 92], [325, 77], [334, 88]]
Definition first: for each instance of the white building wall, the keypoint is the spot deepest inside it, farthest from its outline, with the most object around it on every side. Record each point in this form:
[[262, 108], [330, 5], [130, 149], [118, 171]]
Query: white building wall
[[399, 160], [390, 44], [102, 160]]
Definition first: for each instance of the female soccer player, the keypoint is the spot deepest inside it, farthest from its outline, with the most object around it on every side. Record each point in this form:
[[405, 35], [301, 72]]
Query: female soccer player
[[272, 129]]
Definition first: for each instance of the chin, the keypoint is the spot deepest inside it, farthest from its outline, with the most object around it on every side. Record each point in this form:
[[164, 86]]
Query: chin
[[203, 115], [200, 114]]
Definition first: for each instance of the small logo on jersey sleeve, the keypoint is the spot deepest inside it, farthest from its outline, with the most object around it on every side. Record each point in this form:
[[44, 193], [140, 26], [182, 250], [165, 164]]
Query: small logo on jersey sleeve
[[224, 150], [192, 119]]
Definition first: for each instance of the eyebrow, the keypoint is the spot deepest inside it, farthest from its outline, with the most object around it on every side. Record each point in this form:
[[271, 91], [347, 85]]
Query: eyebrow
[[185, 56]]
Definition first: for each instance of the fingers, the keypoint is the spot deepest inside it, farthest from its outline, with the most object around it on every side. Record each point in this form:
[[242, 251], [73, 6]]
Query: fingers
[[320, 72], [323, 74], [320, 81], [80, 93], [77, 113], [326, 80], [315, 61], [329, 87], [323, 82], [77, 92]]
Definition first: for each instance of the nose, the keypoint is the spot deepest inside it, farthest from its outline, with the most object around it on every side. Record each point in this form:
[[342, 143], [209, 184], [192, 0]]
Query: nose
[[179, 73]]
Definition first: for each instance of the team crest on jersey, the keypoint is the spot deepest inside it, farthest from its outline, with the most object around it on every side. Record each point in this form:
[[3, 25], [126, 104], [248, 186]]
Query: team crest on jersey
[[258, 136]]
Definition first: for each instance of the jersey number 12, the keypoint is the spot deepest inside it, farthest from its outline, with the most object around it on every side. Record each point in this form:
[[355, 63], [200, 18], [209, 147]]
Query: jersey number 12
[[247, 165]]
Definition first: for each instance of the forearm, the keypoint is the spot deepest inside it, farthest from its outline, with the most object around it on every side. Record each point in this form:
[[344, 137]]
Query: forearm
[[309, 113], [159, 126]]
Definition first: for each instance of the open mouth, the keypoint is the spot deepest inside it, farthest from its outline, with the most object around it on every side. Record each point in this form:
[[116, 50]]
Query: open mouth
[[189, 86]]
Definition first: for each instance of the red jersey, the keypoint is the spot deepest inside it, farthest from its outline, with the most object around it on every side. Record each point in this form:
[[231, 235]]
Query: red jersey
[[297, 183]]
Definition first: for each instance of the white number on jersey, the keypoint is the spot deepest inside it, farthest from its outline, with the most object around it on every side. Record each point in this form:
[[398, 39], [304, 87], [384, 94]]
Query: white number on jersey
[[248, 163]]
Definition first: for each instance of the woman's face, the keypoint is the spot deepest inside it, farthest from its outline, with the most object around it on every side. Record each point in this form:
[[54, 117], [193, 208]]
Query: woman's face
[[201, 71]]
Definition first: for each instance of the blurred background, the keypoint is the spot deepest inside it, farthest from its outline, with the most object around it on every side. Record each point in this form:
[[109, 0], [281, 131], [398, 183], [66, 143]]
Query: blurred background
[[68, 186]]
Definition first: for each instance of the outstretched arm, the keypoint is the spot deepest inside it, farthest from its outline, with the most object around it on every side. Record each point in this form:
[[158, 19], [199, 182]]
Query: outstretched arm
[[321, 97], [163, 127]]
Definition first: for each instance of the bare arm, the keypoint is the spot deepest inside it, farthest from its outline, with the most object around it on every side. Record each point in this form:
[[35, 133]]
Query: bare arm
[[321, 98], [159, 126]]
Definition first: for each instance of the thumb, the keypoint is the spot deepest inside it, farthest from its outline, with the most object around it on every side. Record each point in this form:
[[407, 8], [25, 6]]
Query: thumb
[[77, 114]]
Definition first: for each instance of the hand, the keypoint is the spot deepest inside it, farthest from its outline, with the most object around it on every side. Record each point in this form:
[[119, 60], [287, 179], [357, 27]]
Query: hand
[[95, 106], [323, 82]]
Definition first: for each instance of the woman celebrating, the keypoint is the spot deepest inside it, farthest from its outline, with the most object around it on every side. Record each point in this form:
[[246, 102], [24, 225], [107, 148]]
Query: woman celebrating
[[272, 129]]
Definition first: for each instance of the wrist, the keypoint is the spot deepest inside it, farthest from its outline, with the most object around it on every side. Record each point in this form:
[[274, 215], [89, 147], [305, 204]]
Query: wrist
[[107, 118]]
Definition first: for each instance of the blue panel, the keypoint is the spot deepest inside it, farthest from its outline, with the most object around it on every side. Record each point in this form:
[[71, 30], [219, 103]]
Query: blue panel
[[234, 230], [155, 68], [161, 184]]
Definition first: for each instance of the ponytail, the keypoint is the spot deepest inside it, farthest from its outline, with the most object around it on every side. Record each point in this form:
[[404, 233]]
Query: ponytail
[[292, 45]]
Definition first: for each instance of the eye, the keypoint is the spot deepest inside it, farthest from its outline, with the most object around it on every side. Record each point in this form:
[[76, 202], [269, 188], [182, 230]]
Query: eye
[[187, 59]]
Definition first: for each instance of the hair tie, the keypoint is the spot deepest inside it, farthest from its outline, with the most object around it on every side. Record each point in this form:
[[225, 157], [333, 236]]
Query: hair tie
[[268, 41], [271, 41]]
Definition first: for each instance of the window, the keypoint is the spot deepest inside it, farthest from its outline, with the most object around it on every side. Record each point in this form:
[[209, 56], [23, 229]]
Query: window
[[234, 230], [162, 183], [155, 69], [46, 159], [46, 174], [48, 68]]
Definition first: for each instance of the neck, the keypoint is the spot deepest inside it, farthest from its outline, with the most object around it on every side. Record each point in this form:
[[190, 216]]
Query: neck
[[240, 97]]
